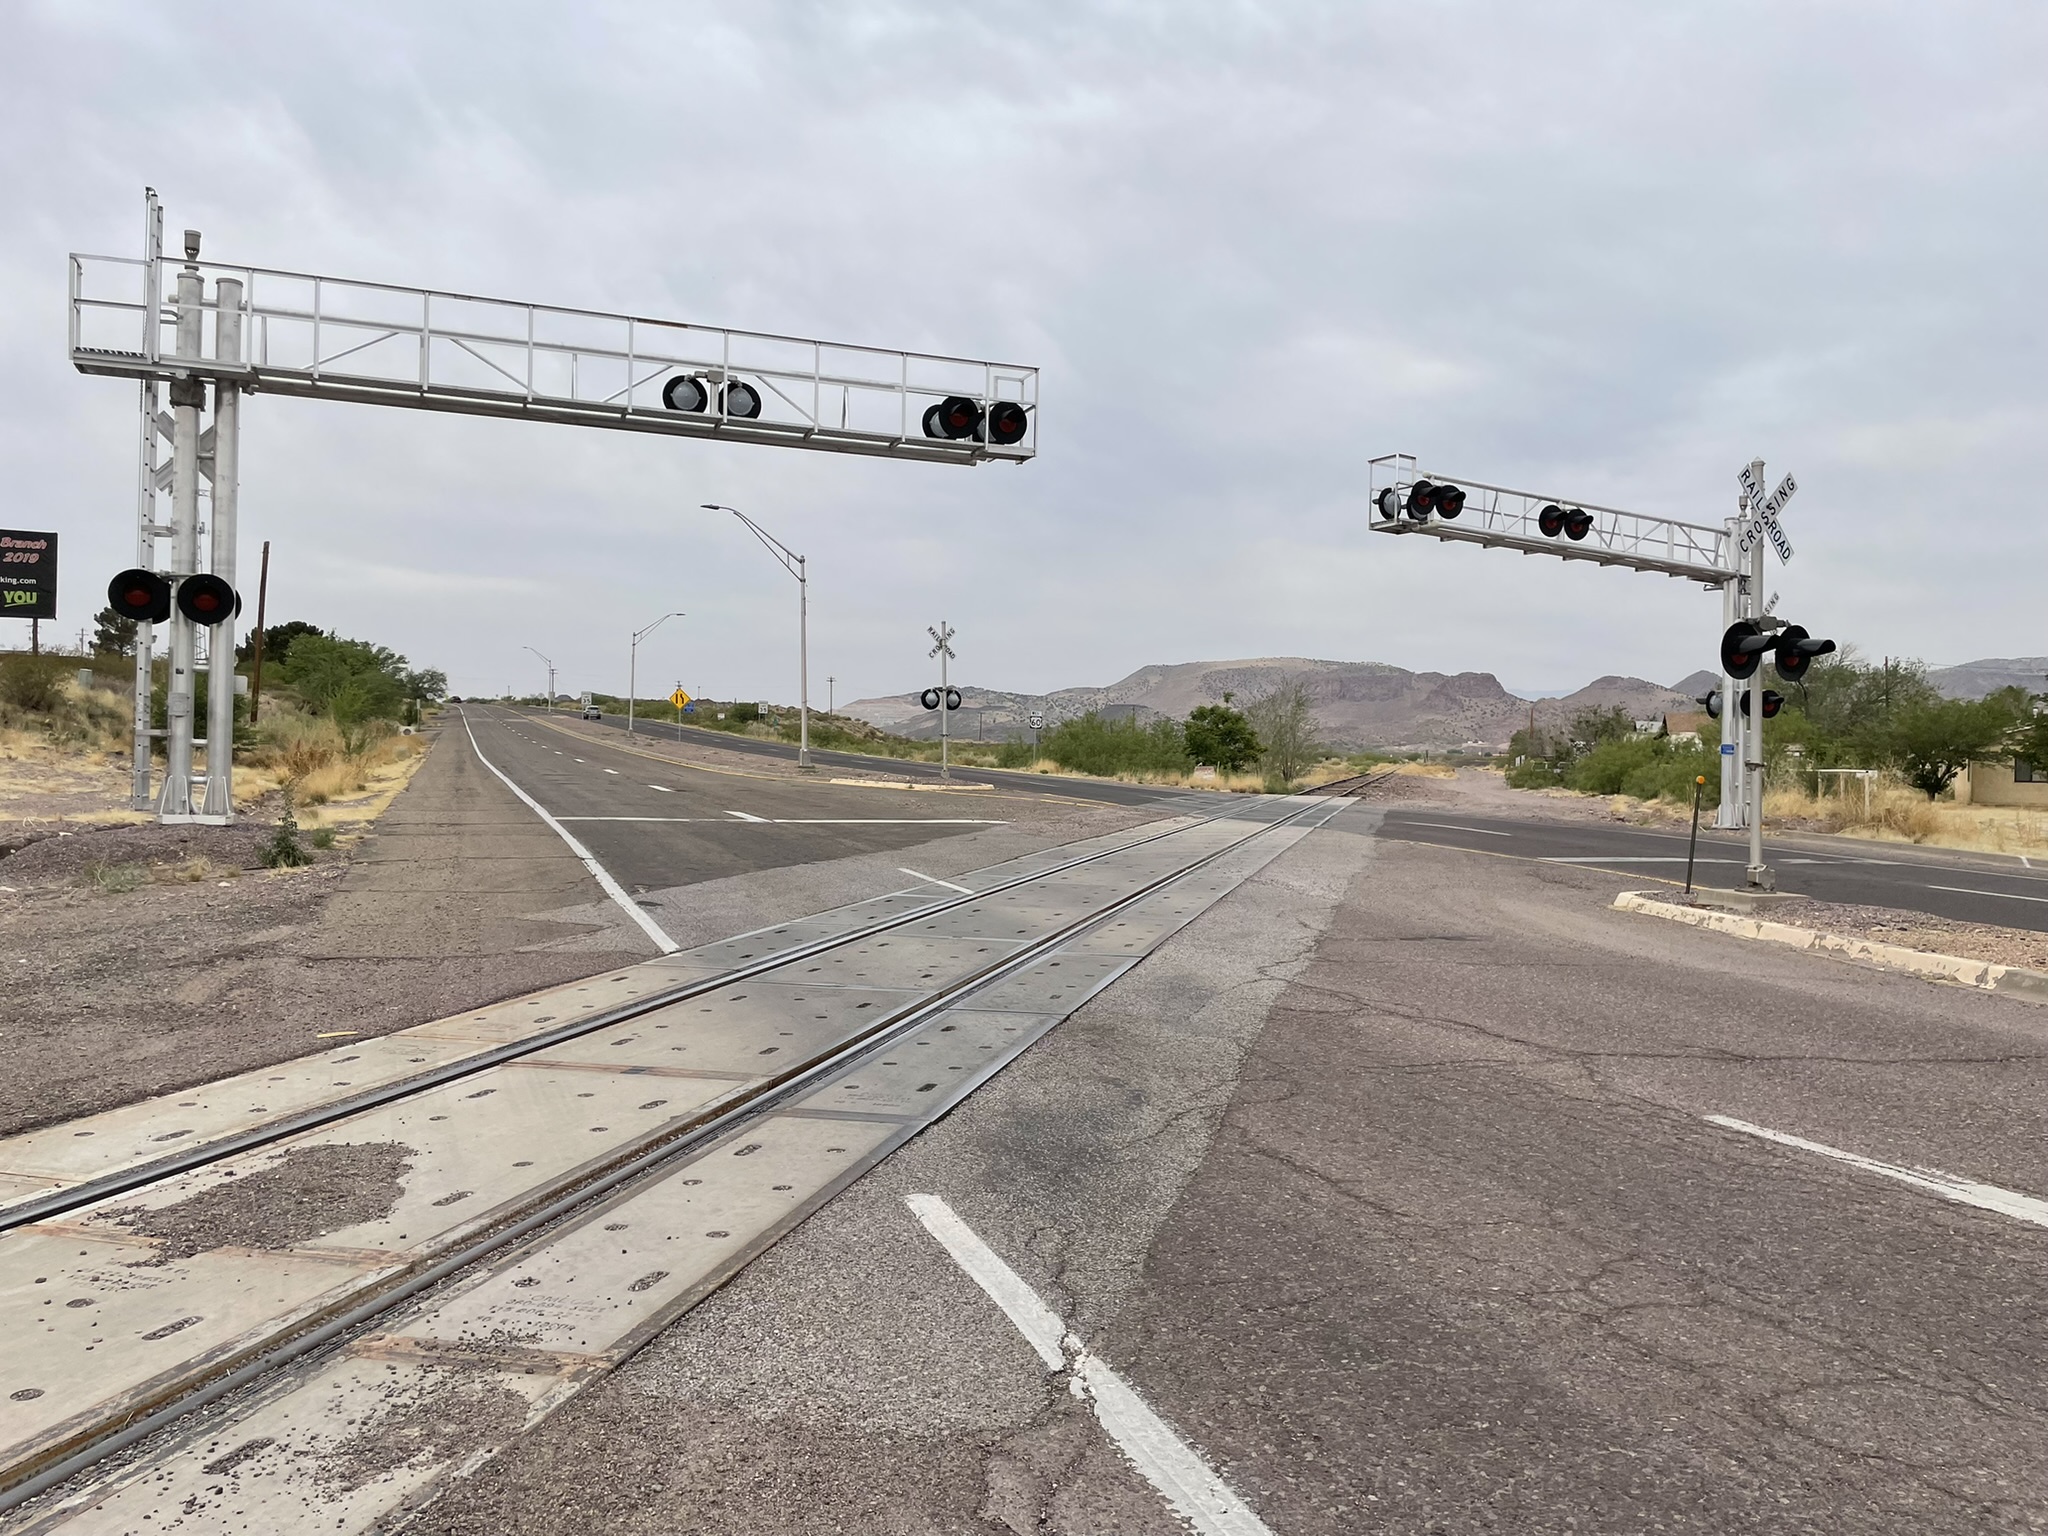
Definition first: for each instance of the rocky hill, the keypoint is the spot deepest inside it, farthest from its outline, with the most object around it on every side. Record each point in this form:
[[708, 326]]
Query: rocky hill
[[1357, 704], [1974, 679]]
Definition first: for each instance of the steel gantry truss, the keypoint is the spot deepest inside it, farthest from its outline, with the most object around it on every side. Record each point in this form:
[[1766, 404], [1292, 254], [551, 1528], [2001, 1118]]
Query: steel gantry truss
[[1498, 517], [320, 337]]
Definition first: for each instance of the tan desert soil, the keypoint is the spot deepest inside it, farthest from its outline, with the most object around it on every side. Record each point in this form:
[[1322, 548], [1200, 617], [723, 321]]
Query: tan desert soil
[[114, 994], [1919, 930]]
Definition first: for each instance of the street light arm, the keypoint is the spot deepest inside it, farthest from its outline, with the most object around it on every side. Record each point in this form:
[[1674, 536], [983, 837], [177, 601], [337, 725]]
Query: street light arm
[[642, 634], [792, 562]]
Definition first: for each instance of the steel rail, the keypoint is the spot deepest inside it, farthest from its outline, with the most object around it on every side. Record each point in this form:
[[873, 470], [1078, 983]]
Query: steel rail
[[644, 1162], [202, 1154]]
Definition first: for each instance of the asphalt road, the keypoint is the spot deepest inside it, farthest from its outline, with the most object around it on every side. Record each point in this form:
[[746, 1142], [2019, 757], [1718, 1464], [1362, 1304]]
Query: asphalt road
[[656, 824], [1389, 1185], [1033, 783], [1975, 888]]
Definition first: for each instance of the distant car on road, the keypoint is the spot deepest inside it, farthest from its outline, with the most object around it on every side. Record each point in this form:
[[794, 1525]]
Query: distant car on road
[[592, 712]]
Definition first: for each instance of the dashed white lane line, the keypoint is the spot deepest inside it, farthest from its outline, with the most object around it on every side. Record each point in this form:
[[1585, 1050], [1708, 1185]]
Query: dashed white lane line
[[1445, 826], [934, 880], [608, 770], [1187, 1482], [743, 816], [575, 759], [1988, 1197], [662, 787], [1964, 890], [598, 872]]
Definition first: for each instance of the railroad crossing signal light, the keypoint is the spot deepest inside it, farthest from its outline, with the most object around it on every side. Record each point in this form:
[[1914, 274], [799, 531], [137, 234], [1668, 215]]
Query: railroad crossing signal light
[[1793, 652], [206, 599], [1773, 702], [1574, 523], [1424, 497], [1711, 703], [931, 696], [1742, 649], [956, 417], [140, 595], [686, 392]]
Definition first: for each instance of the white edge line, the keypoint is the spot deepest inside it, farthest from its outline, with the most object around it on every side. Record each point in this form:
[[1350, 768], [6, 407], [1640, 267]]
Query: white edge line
[[1187, 1482], [1990, 1197], [1447, 826], [743, 816], [1964, 890], [934, 880], [611, 887]]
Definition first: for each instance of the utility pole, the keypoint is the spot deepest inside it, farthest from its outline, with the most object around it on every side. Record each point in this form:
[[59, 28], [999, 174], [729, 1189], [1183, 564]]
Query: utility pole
[[262, 597], [831, 694], [795, 565], [551, 680], [942, 634], [633, 666]]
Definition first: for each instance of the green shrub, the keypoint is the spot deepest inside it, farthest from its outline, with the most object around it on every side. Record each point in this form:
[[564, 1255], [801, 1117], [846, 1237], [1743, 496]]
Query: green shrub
[[1649, 770], [33, 684], [1092, 744], [1534, 773]]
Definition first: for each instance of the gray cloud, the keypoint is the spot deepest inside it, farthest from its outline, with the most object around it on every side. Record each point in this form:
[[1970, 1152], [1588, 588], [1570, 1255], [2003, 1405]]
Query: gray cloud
[[1602, 250]]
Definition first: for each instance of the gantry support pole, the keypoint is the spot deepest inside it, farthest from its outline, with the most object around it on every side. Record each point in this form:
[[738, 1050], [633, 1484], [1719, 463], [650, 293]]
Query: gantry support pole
[[220, 641], [188, 394]]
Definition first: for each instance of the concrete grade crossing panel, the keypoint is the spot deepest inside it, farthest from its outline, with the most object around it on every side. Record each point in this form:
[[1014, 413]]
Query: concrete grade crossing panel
[[478, 1150]]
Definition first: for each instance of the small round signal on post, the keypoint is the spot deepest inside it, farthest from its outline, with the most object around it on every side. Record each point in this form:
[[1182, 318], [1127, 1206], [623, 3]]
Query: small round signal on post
[[1577, 524], [206, 599], [1388, 504], [1742, 650], [1551, 520], [1007, 421], [956, 416], [1773, 702], [684, 393], [1711, 703], [740, 400], [1792, 651], [1450, 501], [929, 698], [143, 596], [952, 698]]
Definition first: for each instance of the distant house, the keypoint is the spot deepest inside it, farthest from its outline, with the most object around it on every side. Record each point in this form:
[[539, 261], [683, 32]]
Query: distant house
[[1690, 727], [2010, 781]]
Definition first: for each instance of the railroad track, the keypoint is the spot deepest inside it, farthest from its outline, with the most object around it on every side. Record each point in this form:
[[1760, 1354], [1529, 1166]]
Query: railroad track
[[1356, 785], [550, 1200]]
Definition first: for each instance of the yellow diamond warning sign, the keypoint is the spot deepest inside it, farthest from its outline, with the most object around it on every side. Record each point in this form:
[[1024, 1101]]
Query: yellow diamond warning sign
[[679, 698]]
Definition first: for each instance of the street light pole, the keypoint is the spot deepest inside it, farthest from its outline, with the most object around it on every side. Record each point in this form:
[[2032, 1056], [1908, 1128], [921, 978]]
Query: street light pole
[[633, 664], [793, 563], [551, 680]]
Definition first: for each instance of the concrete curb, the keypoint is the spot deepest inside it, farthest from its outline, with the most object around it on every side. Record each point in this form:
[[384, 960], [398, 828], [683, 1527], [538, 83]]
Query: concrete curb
[[2010, 980]]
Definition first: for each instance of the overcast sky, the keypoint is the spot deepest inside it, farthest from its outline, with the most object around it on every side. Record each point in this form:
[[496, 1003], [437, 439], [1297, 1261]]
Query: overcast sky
[[1606, 251]]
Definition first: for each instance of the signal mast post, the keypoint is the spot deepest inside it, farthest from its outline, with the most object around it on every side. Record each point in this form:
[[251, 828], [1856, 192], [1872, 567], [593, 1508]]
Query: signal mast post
[[220, 639], [188, 394], [1759, 873]]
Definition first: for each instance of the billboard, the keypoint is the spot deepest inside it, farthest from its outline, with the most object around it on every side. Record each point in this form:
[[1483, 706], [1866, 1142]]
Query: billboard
[[28, 575]]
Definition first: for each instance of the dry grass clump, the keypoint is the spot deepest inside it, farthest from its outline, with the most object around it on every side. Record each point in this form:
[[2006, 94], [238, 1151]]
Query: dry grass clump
[[312, 757], [1897, 811], [42, 704], [110, 878]]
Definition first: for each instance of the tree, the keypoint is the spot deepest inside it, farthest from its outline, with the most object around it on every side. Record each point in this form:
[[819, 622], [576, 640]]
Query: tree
[[351, 681], [1595, 727], [1930, 743], [112, 634], [1221, 737], [1286, 725], [277, 642]]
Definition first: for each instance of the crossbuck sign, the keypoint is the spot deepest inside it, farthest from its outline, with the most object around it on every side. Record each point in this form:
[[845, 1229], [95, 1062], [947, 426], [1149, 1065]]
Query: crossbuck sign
[[1762, 521]]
